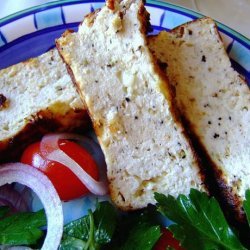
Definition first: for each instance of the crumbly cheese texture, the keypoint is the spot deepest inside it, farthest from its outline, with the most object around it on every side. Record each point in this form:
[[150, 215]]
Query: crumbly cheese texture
[[38, 89], [130, 106], [211, 95]]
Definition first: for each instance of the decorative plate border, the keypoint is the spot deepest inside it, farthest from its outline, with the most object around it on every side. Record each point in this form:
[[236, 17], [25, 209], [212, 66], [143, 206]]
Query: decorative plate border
[[166, 16], [170, 6]]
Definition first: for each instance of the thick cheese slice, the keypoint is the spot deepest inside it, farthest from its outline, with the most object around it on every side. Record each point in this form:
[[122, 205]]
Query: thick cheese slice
[[36, 97], [214, 99], [130, 103]]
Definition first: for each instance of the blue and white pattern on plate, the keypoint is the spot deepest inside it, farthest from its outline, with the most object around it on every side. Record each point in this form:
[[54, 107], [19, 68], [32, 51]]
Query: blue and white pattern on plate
[[32, 32], [48, 18]]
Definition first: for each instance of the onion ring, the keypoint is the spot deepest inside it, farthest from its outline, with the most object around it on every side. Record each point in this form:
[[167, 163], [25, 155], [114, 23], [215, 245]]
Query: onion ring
[[42, 186]]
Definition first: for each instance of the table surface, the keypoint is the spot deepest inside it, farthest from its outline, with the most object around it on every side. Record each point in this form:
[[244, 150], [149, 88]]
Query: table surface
[[233, 13]]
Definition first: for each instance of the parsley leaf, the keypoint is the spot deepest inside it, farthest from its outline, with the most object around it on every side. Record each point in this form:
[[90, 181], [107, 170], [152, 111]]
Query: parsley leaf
[[92, 230], [105, 219], [136, 230], [142, 236], [22, 228], [198, 218], [78, 229], [246, 205]]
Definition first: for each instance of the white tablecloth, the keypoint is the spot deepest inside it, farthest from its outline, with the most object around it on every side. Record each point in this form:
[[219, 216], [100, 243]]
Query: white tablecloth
[[233, 13]]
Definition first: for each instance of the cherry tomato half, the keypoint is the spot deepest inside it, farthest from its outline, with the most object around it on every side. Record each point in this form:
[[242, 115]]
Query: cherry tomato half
[[167, 240], [65, 182]]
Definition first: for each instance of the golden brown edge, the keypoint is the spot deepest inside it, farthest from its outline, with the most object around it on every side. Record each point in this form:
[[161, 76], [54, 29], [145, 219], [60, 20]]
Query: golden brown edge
[[228, 195], [213, 176], [40, 124]]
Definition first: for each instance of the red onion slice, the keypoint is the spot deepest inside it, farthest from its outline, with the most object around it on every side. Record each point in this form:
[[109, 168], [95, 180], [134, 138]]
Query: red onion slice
[[41, 185], [50, 150]]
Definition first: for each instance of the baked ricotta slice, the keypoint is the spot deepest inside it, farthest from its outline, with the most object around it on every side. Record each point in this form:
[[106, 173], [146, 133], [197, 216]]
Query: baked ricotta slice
[[36, 97], [131, 106], [214, 100]]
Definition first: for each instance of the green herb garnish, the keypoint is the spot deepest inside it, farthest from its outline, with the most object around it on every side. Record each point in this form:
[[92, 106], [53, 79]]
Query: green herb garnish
[[21, 228], [142, 236], [136, 230], [91, 231], [198, 221]]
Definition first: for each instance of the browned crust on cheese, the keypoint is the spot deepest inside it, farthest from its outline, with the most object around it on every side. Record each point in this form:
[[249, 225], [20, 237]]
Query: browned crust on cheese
[[144, 18], [90, 18], [3, 102], [110, 4], [214, 180], [45, 121], [213, 175], [229, 199], [40, 124]]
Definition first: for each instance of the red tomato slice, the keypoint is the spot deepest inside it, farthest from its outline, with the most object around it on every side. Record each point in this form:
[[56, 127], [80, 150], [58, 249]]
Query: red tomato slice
[[65, 182], [167, 240]]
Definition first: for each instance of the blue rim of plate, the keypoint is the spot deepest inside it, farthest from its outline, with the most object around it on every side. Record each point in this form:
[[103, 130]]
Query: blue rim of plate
[[168, 6], [237, 48]]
